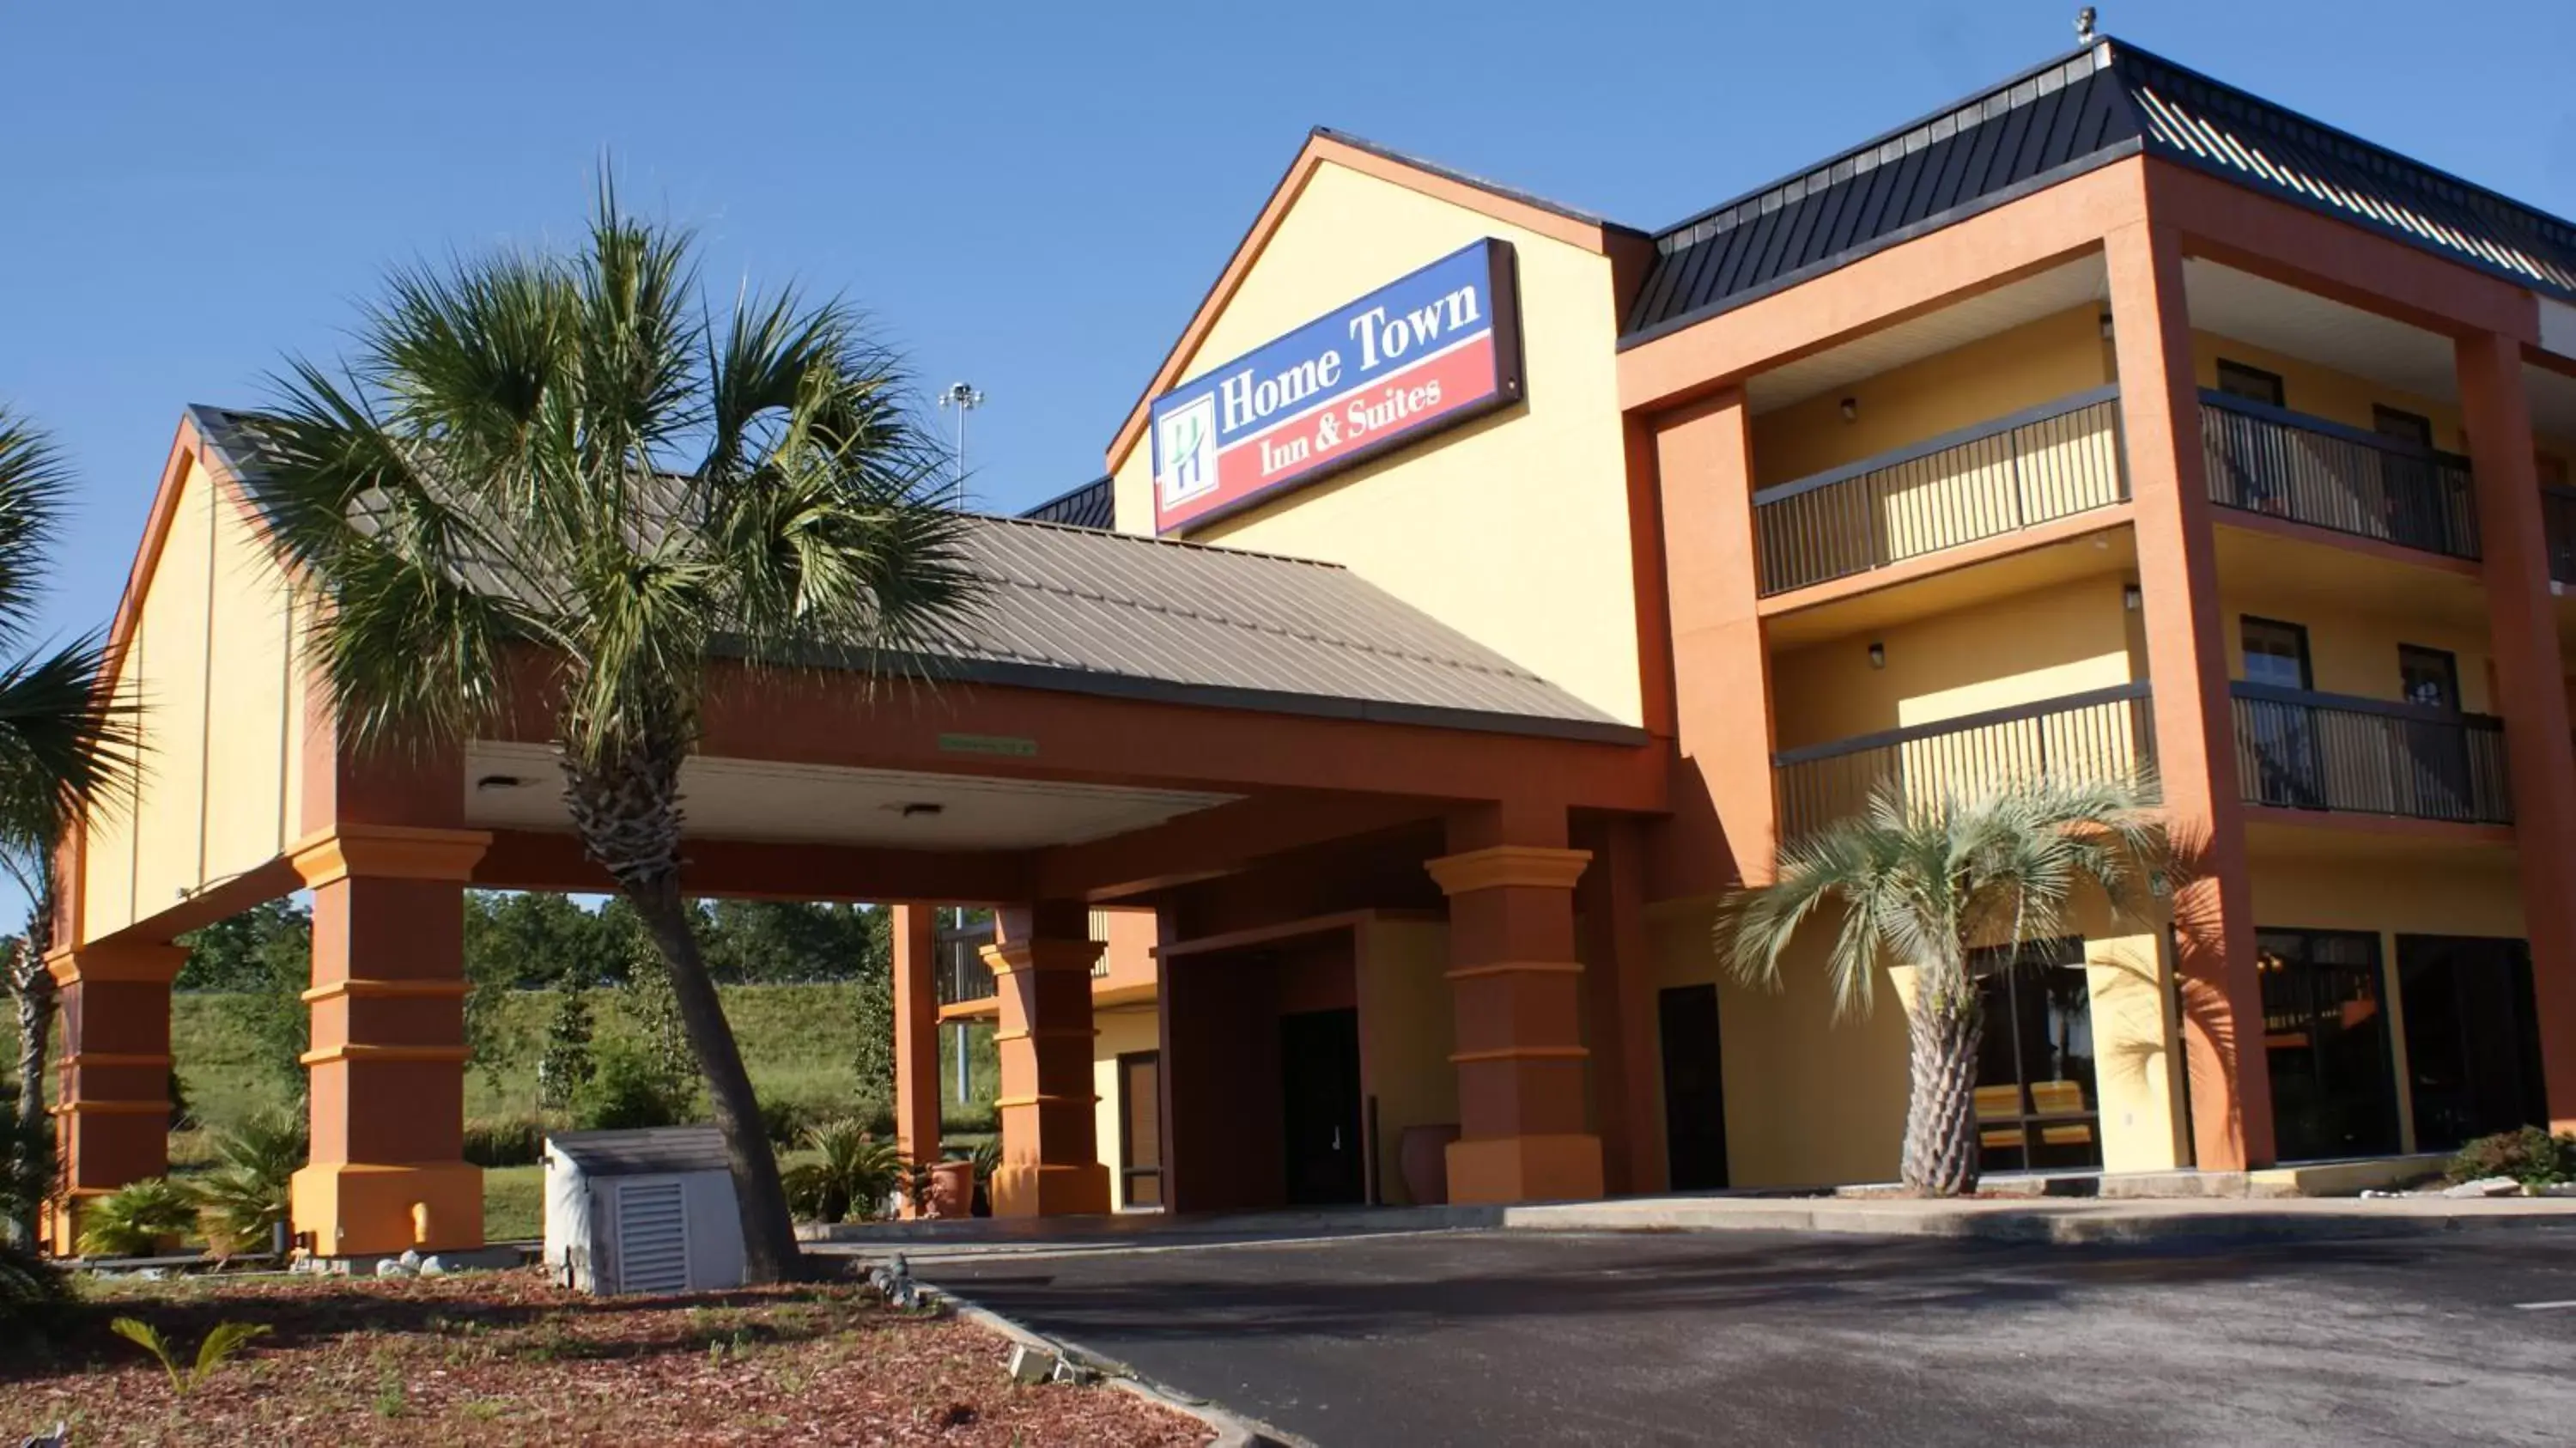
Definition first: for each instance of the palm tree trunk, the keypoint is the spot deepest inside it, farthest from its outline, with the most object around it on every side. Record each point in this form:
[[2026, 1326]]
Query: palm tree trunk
[[1941, 1116], [628, 815], [33, 991]]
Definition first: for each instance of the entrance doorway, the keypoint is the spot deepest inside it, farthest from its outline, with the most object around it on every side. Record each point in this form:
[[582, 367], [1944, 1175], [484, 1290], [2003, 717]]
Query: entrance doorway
[[2472, 1037], [1694, 1089], [1140, 1134], [1319, 1090], [2325, 1039]]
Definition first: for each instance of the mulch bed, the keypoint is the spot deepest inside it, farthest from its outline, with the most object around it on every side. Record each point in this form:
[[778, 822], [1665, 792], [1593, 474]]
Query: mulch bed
[[508, 1357]]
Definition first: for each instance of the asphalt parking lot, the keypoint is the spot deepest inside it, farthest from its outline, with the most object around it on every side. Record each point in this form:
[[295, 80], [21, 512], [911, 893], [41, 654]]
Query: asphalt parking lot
[[1496, 1337]]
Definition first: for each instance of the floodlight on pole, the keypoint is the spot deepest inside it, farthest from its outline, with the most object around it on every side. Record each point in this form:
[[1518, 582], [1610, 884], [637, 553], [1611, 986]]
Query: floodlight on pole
[[965, 397]]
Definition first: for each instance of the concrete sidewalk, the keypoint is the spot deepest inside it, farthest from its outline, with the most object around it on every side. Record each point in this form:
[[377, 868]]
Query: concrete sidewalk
[[2053, 1219]]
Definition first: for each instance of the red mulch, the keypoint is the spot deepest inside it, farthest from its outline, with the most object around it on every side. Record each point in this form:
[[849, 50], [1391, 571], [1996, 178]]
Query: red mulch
[[508, 1357]]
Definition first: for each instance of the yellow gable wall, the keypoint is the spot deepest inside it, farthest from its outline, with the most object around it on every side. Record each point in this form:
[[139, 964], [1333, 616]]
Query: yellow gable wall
[[1512, 529], [209, 663]]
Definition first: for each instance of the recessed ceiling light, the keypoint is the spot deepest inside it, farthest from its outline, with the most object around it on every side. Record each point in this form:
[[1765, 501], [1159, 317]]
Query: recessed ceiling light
[[499, 781], [918, 809]]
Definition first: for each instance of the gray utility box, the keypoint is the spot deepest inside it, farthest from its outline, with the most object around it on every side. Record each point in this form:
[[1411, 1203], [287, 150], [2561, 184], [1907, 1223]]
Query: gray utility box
[[642, 1211]]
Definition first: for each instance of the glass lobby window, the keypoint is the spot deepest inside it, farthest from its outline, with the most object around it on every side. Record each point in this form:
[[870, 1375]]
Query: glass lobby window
[[2251, 383], [2036, 1107], [2326, 1043]]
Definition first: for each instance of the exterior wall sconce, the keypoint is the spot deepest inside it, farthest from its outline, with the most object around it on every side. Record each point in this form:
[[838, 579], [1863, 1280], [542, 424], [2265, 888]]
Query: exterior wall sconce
[[2130, 597], [1877, 654], [1851, 409]]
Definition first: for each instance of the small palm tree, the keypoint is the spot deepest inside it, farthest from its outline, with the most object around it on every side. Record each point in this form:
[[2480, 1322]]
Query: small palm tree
[[67, 742], [1926, 885], [562, 474]]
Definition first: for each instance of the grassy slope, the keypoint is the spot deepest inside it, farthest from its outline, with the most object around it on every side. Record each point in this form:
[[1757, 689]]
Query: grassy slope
[[797, 1039]]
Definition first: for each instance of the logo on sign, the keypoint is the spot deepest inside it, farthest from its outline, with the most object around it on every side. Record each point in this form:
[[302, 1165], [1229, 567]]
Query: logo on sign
[[1426, 351]]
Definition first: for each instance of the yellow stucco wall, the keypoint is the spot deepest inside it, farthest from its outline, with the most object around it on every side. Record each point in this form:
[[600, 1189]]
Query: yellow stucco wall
[[2015, 650], [1512, 529], [1122, 1030], [1986, 379], [1405, 1035], [2351, 651], [211, 664]]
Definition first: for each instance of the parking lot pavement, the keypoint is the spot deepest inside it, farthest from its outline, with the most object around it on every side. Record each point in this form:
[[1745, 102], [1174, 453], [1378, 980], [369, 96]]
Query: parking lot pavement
[[1496, 1337]]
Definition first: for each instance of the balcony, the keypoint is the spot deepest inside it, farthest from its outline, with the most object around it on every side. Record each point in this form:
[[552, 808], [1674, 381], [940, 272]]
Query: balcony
[[2052, 461], [2103, 734], [2301, 750], [2288, 465]]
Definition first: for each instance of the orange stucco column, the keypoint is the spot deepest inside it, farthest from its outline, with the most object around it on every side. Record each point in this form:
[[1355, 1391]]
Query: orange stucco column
[[1515, 992], [2213, 904], [916, 1037], [1051, 1163], [112, 1087], [1619, 1009], [2522, 621], [1723, 825], [387, 1168]]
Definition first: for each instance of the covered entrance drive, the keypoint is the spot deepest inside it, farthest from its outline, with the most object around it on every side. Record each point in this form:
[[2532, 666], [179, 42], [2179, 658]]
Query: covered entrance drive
[[1360, 833]]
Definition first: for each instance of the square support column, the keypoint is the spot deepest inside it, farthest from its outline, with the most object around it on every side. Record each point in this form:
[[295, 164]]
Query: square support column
[[916, 1037], [2522, 621], [1051, 1163], [1516, 989], [112, 1085], [2213, 904], [387, 1168], [1619, 1006]]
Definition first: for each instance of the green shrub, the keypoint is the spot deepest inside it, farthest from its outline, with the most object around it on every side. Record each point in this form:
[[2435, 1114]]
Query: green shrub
[[244, 1196], [2530, 1156], [629, 1090], [32, 1297], [505, 1141], [851, 1182], [784, 1121], [134, 1220]]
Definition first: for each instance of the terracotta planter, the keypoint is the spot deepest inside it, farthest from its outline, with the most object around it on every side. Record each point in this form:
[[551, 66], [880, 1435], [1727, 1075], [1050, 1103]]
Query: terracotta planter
[[1422, 1158], [952, 1189]]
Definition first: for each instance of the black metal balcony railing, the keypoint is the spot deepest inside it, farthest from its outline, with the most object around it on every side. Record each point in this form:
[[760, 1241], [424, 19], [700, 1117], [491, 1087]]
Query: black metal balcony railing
[[2288, 465], [2103, 734], [2558, 524], [2301, 750], [2057, 459]]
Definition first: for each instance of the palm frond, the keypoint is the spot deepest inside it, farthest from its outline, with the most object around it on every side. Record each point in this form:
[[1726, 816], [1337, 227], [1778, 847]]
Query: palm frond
[[67, 743], [35, 488]]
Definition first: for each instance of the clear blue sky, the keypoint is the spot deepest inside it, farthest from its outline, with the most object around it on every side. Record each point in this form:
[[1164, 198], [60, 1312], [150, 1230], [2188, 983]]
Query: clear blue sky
[[1031, 196]]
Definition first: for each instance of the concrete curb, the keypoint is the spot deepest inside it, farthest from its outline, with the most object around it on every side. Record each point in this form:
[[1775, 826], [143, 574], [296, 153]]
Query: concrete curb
[[1232, 1430], [2124, 1223]]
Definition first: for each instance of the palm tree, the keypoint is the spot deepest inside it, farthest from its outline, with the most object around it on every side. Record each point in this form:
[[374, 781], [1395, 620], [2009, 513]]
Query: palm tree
[[67, 742], [570, 459], [1926, 885]]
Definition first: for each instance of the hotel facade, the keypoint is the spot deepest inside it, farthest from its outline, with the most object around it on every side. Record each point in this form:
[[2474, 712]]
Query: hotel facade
[[1480, 590]]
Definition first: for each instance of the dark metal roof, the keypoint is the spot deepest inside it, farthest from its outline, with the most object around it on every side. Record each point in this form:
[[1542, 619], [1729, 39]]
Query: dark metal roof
[[1092, 611], [2080, 111], [1093, 505], [641, 1152]]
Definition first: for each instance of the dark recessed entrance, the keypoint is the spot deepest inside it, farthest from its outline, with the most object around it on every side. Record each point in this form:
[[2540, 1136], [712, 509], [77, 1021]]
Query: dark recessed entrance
[[1319, 1089], [1694, 1089], [2472, 1037]]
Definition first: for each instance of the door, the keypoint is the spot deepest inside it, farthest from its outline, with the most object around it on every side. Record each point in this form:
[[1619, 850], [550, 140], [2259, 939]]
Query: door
[[1319, 1088], [1140, 1128], [2472, 1037], [2325, 1040], [2436, 783], [2036, 1102], [1694, 1089], [2278, 755]]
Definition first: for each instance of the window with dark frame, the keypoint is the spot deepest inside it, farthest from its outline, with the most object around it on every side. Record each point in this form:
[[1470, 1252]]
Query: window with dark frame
[[2036, 1104], [2404, 426], [2276, 653], [1140, 1135], [2251, 383], [2430, 677], [2326, 1043]]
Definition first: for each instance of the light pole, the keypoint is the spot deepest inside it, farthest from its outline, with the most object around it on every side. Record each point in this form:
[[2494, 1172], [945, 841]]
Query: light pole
[[965, 397]]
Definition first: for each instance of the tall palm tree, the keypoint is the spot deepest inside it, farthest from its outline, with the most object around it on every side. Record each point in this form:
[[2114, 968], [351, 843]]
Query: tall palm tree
[[67, 742], [1926, 885], [570, 458]]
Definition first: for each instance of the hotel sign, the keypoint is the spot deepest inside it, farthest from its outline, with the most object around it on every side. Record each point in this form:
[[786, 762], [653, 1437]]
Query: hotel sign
[[1424, 352]]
